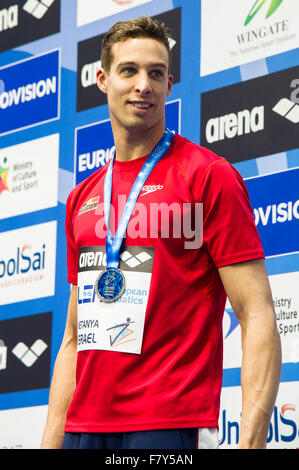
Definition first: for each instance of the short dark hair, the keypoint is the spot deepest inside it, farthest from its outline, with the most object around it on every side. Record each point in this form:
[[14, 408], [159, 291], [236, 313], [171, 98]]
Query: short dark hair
[[143, 27]]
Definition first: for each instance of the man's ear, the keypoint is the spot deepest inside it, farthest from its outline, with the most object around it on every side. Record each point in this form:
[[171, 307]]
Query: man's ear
[[170, 84], [102, 80]]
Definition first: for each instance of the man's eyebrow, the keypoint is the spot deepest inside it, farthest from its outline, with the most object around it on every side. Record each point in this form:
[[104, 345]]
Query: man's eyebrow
[[121, 64], [160, 64], [124, 63]]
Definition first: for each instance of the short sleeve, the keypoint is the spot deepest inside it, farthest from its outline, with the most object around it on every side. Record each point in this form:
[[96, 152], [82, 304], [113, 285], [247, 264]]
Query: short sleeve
[[72, 250], [229, 231]]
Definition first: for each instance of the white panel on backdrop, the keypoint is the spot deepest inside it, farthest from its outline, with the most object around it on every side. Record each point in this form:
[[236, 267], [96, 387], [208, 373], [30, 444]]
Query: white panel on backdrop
[[29, 176], [93, 10], [27, 263], [22, 428], [226, 41], [232, 355], [284, 425], [286, 304]]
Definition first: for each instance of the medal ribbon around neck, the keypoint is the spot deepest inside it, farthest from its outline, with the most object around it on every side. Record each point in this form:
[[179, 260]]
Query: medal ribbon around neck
[[113, 275]]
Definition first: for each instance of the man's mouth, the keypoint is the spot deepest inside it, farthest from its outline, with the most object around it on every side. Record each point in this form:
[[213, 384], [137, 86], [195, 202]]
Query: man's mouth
[[141, 104]]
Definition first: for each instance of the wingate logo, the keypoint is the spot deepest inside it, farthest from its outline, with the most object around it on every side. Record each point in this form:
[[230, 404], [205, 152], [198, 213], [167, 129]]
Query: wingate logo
[[258, 4]]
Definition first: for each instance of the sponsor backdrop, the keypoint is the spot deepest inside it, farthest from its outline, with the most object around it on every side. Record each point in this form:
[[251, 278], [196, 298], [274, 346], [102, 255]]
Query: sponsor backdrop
[[236, 91]]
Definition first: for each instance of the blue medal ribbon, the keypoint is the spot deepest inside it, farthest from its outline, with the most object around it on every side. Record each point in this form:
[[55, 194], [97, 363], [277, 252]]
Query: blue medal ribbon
[[110, 284], [113, 244]]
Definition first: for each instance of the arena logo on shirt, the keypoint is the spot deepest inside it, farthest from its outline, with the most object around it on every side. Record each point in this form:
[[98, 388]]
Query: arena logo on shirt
[[246, 120], [89, 54], [23, 21], [30, 92], [275, 203], [94, 143], [93, 258]]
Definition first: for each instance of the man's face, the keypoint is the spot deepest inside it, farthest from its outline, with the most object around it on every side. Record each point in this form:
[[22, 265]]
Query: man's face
[[137, 84]]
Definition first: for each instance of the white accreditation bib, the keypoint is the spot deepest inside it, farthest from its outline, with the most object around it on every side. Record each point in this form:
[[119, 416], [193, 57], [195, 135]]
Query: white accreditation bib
[[116, 326]]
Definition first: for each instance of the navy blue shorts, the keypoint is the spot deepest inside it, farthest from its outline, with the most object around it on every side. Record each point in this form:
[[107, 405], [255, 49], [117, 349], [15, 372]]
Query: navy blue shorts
[[157, 439]]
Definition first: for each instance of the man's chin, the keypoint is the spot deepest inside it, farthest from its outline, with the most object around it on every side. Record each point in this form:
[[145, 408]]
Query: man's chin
[[143, 125]]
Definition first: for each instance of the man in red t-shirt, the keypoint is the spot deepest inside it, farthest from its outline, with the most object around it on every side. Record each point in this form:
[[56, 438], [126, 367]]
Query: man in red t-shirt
[[140, 365]]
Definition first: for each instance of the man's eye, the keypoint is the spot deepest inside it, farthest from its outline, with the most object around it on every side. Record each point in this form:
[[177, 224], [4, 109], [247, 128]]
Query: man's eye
[[128, 71], [156, 73]]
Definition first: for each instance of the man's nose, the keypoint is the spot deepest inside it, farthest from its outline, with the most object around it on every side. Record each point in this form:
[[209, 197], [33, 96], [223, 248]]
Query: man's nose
[[143, 83]]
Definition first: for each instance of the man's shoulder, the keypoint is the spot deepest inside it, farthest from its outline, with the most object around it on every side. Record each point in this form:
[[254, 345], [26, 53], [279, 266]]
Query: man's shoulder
[[85, 187], [190, 154]]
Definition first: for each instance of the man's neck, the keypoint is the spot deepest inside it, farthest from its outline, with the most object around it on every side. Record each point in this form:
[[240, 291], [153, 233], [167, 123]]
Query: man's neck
[[133, 144]]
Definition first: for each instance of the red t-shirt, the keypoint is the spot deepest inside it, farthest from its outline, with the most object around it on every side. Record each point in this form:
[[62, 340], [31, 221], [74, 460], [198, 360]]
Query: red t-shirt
[[176, 380]]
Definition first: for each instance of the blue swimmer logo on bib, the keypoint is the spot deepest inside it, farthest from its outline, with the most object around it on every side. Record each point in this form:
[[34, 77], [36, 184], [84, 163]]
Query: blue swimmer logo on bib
[[110, 285]]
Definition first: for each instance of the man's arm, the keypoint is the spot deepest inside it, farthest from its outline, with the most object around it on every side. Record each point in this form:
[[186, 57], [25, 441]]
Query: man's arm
[[63, 380], [248, 290]]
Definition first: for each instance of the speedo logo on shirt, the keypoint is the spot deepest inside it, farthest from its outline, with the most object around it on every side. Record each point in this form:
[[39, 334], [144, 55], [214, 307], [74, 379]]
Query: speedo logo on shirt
[[150, 188]]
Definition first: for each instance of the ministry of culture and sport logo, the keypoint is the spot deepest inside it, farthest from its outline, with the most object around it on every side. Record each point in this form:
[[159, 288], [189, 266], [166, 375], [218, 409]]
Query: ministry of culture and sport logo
[[258, 4], [3, 176]]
